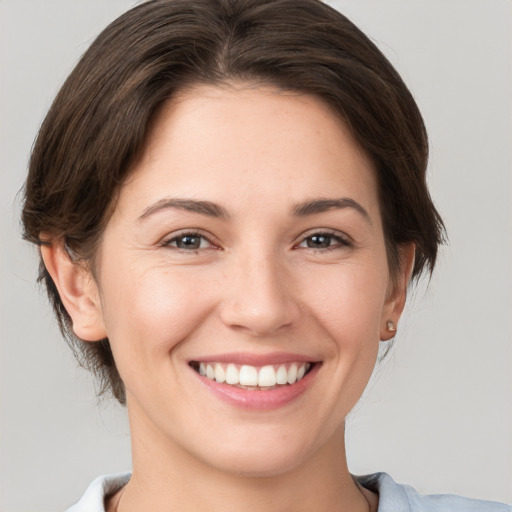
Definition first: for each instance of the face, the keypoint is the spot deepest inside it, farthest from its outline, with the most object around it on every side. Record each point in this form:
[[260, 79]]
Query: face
[[243, 280]]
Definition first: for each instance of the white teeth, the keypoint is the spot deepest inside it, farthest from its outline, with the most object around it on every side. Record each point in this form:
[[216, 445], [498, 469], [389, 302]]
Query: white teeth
[[248, 376], [264, 377], [232, 374], [220, 374], [282, 375], [267, 377], [292, 374]]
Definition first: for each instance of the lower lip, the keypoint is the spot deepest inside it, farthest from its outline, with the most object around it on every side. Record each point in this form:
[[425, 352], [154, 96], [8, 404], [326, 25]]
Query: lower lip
[[260, 400]]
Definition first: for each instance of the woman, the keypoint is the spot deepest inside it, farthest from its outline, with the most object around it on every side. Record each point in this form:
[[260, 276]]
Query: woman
[[230, 201]]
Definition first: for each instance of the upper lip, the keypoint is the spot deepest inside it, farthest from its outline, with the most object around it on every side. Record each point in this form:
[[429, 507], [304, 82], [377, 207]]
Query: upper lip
[[255, 359]]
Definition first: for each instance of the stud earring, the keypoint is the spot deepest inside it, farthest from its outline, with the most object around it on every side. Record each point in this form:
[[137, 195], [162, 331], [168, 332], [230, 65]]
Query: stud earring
[[391, 326]]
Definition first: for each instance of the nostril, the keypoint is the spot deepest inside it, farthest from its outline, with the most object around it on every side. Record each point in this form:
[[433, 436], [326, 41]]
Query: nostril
[[256, 299]]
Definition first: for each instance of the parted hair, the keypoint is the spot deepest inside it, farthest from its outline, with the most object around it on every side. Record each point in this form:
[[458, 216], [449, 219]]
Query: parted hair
[[99, 121]]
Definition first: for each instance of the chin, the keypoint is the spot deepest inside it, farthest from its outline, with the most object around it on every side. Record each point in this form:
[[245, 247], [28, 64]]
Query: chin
[[260, 465], [259, 459]]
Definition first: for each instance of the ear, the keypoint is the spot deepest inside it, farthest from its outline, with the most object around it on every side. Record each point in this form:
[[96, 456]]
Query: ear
[[78, 291], [397, 292]]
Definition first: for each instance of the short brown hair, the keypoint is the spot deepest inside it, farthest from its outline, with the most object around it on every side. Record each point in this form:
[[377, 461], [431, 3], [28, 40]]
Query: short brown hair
[[99, 120]]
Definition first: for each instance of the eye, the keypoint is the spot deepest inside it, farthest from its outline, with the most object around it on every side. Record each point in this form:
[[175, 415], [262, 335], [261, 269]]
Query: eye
[[188, 242], [324, 241]]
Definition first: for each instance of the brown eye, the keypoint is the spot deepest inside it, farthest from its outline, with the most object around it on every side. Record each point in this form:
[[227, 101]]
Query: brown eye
[[188, 242], [318, 241], [324, 241]]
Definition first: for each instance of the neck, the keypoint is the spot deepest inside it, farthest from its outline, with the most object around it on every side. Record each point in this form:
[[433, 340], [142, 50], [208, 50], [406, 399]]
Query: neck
[[165, 478]]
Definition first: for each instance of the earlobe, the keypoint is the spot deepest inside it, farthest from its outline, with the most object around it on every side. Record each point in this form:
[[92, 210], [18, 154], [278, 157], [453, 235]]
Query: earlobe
[[77, 290], [395, 301]]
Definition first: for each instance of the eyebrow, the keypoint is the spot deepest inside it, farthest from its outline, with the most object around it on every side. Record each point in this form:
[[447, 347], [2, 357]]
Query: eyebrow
[[322, 205], [214, 210], [202, 207]]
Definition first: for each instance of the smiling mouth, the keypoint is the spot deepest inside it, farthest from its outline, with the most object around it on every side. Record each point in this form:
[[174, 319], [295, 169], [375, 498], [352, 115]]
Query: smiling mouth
[[253, 377]]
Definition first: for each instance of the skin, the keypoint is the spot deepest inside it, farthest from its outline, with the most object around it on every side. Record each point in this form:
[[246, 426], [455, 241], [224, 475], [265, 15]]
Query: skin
[[254, 285]]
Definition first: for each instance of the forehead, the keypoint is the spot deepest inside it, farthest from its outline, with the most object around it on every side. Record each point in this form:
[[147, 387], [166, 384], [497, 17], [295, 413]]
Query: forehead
[[239, 142]]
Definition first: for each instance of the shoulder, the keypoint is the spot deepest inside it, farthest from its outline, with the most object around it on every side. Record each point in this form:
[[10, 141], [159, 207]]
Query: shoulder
[[94, 497], [394, 497]]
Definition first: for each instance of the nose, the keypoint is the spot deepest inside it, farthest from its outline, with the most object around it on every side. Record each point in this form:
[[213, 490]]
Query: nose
[[259, 297]]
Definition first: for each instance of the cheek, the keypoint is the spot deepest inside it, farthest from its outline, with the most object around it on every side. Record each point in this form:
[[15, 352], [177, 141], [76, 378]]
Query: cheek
[[148, 312], [348, 301]]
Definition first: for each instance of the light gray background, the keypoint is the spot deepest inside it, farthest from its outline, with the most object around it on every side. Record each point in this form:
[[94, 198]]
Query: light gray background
[[438, 414]]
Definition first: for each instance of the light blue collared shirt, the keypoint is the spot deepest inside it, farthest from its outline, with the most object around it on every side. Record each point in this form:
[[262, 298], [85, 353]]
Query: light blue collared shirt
[[393, 497]]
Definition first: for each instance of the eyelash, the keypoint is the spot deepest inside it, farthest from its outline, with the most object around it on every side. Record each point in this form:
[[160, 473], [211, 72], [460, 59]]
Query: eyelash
[[340, 241], [188, 234]]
